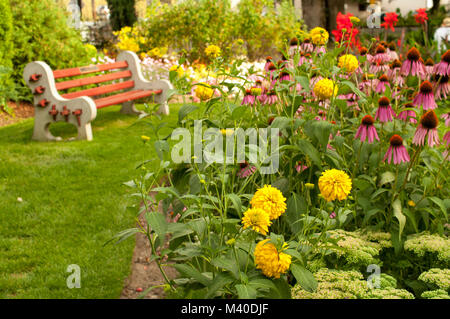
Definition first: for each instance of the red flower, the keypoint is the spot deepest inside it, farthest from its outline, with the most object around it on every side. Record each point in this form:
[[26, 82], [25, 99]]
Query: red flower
[[390, 20], [421, 16], [349, 36]]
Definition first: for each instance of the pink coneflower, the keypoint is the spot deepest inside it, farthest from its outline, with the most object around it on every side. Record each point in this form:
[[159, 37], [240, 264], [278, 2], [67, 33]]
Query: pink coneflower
[[366, 84], [396, 150], [413, 65], [320, 50], [367, 130], [446, 118], [443, 86], [394, 73], [425, 96], [429, 66], [307, 46], [382, 82], [249, 98], [392, 51], [300, 167], [293, 46], [246, 170], [384, 112], [443, 67], [271, 68], [446, 139], [380, 57], [271, 98], [284, 76], [304, 58], [408, 114], [427, 125], [332, 215], [268, 63], [351, 99], [261, 98]]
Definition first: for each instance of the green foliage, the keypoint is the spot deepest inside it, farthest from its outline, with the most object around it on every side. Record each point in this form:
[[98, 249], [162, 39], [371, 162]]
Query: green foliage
[[436, 277], [123, 13], [6, 50], [190, 26], [41, 33], [436, 294]]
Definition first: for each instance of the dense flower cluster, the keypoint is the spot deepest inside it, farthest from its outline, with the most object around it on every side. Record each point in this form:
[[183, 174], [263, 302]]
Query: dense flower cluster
[[335, 184], [272, 262], [271, 200]]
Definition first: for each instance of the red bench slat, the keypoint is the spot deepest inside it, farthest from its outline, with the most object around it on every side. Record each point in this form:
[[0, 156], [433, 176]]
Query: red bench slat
[[89, 69], [100, 90], [124, 97], [92, 80]]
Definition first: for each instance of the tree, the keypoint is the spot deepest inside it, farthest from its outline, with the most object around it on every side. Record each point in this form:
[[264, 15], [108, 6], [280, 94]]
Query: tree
[[123, 13]]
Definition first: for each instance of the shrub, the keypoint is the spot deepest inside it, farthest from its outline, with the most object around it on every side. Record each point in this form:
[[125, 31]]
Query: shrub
[[41, 33], [6, 47], [190, 26], [123, 13]]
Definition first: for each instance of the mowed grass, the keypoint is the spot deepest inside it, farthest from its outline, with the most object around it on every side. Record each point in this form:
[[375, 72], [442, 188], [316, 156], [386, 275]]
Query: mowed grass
[[73, 201]]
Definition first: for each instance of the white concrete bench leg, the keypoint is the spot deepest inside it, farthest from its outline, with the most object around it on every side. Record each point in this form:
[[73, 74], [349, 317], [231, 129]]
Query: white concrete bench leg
[[141, 83], [50, 107]]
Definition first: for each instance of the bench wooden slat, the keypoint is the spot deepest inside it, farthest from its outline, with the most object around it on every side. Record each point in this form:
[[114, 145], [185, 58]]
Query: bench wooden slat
[[92, 80], [89, 69], [124, 97], [100, 90]]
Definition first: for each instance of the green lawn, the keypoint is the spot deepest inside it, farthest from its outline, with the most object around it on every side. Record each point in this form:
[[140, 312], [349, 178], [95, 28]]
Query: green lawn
[[73, 202]]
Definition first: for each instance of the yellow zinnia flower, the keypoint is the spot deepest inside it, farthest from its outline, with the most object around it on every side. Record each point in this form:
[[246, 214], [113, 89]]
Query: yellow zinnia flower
[[335, 184], [271, 262], [354, 19], [204, 91], [323, 89], [319, 36], [178, 68], [270, 200], [212, 51], [348, 62], [256, 219]]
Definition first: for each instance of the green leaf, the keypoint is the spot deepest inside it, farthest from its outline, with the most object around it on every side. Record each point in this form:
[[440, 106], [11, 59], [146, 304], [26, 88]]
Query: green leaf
[[185, 110], [157, 222], [227, 264], [239, 112], [246, 292], [189, 272], [120, 237], [440, 204], [219, 282], [262, 283], [295, 207], [304, 277], [281, 122], [178, 230], [282, 184], [397, 206], [304, 82], [309, 150], [237, 204], [387, 177]]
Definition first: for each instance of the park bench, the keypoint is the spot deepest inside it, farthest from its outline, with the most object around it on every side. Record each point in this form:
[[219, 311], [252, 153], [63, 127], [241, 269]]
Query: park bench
[[126, 84]]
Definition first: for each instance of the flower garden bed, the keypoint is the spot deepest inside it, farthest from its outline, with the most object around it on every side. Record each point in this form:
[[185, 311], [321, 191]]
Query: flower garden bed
[[354, 202]]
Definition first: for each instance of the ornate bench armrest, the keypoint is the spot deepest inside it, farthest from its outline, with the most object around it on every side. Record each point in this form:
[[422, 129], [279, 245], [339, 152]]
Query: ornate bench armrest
[[142, 84]]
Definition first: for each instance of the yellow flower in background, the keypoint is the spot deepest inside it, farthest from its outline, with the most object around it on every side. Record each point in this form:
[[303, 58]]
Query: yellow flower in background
[[145, 138], [335, 184], [204, 91], [156, 52], [323, 89], [271, 200], [319, 36], [212, 51], [227, 132], [255, 91], [309, 186], [348, 62], [354, 20], [256, 219], [271, 262], [411, 203], [177, 68]]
